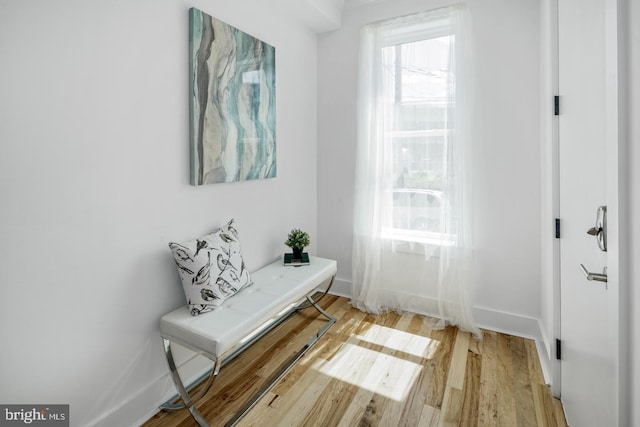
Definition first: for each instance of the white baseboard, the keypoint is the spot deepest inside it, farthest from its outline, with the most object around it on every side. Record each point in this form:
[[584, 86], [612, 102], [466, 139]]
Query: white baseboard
[[341, 288], [507, 323]]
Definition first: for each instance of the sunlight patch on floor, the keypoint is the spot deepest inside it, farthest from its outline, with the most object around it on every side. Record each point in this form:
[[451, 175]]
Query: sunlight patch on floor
[[385, 371], [399, 340]]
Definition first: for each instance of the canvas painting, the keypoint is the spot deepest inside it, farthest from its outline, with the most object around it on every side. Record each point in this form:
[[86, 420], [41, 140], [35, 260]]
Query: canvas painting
[[233, 103]]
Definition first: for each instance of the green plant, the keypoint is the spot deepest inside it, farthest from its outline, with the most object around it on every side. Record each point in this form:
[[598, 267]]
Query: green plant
[[297, 239]]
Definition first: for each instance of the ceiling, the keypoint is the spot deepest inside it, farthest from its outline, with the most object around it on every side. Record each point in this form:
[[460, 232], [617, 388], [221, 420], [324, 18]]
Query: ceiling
[[319, 15]]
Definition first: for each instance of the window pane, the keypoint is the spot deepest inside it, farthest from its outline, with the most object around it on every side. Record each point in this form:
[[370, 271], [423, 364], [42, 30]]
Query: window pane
[[425, 70]]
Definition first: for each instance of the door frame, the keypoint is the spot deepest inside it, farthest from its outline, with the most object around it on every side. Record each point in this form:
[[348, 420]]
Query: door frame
[[550, 164], [616, 171]]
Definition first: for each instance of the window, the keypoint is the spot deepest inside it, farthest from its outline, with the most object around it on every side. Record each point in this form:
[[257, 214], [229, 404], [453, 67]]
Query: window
[[418, 87]]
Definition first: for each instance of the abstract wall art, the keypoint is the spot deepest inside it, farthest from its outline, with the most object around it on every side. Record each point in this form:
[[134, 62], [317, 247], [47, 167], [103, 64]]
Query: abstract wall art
[[232, 103]]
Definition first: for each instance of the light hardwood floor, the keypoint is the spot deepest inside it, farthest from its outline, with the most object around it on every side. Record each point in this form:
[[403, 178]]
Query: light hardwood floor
[[389, 370]]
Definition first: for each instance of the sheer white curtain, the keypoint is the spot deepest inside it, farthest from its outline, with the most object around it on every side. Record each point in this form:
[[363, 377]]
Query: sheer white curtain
[[411, 247]]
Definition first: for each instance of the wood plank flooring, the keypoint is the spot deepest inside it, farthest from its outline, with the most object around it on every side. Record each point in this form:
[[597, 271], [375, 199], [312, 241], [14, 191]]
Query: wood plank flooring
[[389, 370]]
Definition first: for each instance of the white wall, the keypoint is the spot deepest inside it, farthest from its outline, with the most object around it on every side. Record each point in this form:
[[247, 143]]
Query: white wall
[[94, 184], [506, 149]]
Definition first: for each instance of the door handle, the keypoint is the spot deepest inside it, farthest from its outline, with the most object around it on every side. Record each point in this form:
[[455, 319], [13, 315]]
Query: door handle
[[598, 277], [600, 229]]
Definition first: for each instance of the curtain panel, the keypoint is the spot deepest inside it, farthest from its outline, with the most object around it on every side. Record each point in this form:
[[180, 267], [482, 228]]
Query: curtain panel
[[412, 248]]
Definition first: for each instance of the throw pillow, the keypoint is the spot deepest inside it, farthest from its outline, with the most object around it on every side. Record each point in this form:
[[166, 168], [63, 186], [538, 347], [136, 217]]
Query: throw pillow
[[211, 268]]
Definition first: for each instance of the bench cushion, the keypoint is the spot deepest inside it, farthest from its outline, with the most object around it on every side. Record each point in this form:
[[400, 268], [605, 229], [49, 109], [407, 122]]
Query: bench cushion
[[275, 288]]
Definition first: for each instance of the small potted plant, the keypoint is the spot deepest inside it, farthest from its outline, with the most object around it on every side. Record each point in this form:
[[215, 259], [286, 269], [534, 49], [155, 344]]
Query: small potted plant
[[297, 240]]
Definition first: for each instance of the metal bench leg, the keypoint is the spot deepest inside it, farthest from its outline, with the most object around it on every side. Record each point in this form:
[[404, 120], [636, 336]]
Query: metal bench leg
[[320, 309], [311, 302], [182, 391]]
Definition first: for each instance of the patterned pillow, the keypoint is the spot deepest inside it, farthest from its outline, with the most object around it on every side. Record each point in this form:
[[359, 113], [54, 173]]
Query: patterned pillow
[[211, 268]]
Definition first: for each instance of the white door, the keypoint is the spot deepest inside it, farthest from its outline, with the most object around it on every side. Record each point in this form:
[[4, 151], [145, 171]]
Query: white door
[[588, 321]]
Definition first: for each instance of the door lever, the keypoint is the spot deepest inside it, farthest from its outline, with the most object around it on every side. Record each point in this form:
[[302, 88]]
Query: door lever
[[598, 277]]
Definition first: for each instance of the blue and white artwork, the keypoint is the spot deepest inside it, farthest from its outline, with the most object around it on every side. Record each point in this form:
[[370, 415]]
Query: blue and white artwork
[[233, 103]]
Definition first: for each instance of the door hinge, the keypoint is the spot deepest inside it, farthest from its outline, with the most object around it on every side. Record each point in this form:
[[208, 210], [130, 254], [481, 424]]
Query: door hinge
[[557, 228], [556, 105], [558, 349]]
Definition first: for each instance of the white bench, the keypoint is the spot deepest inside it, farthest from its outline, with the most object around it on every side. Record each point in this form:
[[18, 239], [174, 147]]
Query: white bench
[[277, 292]]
